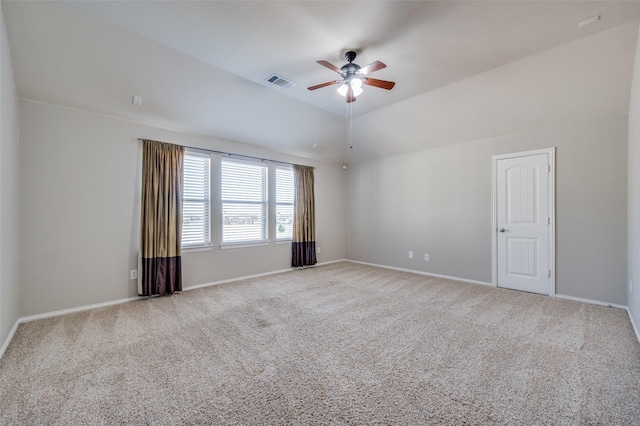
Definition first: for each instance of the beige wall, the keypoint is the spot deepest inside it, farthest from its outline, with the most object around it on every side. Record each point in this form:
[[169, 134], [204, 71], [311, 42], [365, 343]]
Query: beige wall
[[439, 202], [633, 247], [8, 191], [79, 211]]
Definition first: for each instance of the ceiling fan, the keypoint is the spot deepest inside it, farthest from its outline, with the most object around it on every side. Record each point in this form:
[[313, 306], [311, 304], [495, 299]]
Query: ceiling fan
[[353, 77]]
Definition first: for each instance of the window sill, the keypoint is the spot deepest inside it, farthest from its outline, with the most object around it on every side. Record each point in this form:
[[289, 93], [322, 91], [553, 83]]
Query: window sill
[[244, 244], [283, 241], [196, 248]]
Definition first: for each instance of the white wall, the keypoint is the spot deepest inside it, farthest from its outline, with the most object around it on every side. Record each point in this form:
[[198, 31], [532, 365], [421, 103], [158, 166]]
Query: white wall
[[633, 248], [79, 188], [439, 202], [8, 191]]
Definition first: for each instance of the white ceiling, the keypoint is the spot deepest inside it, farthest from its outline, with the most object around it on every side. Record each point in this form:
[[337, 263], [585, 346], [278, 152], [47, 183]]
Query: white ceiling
[[464, 70]]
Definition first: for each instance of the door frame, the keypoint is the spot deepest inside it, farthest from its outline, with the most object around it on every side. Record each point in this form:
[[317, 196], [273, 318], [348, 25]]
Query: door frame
[[552, 213]]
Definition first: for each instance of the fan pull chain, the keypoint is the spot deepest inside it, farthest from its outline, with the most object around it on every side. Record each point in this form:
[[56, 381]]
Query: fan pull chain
[[349, 125]]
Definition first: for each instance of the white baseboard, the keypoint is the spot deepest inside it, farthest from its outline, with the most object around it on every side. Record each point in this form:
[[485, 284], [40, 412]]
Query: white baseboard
[[331, 261], [78, 309], [116, 302], [246, 277], [633, 324], [593, 302], [230, 280], [429, 274], [5, 345]]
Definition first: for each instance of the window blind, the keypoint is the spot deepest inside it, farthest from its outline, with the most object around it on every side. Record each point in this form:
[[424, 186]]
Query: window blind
[[244, 201], [284, 203], [196, 202]]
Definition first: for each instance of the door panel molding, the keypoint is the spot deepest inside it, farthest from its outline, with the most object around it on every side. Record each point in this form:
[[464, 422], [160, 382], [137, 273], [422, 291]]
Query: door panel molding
[[550, 152]]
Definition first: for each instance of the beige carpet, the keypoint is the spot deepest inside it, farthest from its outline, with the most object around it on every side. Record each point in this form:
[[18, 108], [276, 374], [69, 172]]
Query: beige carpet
[[336, 344]]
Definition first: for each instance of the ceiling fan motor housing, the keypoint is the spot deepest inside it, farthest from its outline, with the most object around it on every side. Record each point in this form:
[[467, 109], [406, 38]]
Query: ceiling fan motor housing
[[349, 70]]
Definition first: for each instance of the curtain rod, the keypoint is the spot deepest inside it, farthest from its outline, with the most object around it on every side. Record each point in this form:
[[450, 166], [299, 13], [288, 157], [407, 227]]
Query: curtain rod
[[230, 154]]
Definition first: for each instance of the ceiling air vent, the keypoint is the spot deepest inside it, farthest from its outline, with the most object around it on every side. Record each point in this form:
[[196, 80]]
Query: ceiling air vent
[[280, 81]]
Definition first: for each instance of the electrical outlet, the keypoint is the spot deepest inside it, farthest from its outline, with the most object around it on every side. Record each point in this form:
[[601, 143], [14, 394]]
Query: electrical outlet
[[410, 255], [426, 257], [319, 250], [133, 274]]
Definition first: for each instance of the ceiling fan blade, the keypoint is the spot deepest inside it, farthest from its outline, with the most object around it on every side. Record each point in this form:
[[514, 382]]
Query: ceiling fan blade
[[373, 66], [320, 86], [350, 97], [330, 66], [383, 84]]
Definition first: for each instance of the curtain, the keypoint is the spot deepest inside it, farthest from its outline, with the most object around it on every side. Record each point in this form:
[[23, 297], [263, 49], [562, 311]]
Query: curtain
[[161, 218], [304, 218]]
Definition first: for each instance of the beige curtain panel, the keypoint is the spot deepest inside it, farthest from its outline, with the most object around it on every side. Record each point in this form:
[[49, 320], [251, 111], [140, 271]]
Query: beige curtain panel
[[161, 218], [304, 218]]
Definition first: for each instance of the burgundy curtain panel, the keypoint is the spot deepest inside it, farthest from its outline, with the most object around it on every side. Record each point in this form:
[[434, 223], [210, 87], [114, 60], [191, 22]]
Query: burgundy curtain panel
[[161, 218], [304, 218]]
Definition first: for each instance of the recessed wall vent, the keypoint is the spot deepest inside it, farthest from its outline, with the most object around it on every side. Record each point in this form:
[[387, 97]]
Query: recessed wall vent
[[280, 81]]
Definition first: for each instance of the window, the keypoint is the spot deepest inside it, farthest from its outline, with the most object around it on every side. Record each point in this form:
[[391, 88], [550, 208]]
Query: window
[[196, 200], [284, 203], [244, 201]]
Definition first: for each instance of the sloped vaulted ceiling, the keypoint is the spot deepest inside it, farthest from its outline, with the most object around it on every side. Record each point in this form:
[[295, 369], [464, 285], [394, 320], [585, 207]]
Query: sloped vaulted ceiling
[[464, 70], [585, 79]]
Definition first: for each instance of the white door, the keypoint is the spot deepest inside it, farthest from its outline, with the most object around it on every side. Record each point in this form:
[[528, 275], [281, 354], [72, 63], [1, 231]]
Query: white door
[[523, 222]]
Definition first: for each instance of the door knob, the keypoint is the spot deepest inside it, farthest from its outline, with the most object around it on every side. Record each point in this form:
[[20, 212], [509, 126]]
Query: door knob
[[502, 230]]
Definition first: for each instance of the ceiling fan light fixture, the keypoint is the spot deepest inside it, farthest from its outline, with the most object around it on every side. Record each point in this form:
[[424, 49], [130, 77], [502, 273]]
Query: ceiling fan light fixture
[[356, 85]]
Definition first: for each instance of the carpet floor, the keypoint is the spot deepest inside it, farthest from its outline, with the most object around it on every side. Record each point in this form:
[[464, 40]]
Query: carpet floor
[[336, 344]]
